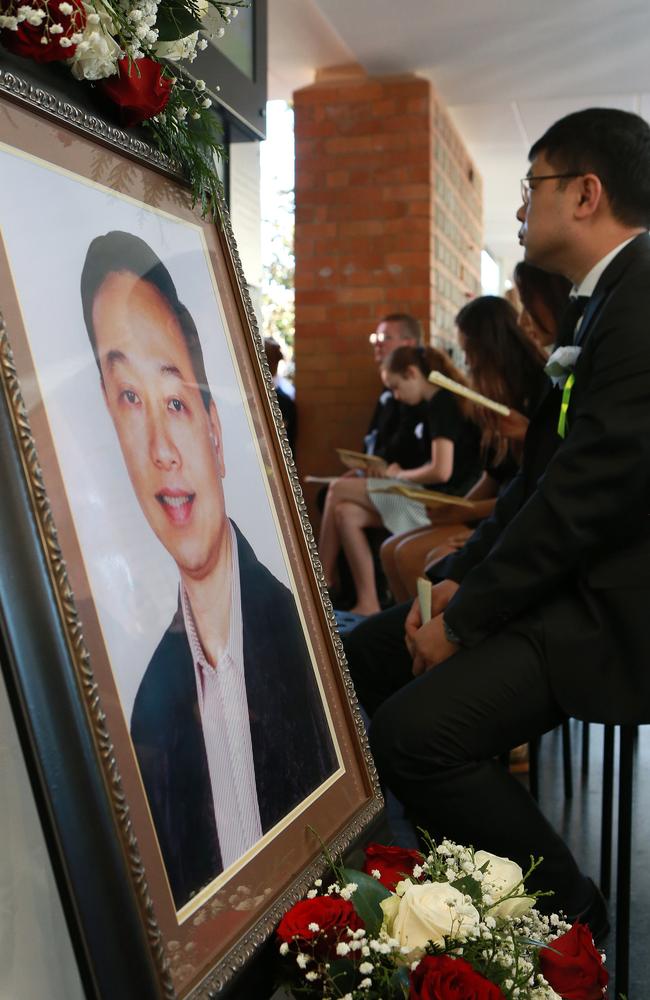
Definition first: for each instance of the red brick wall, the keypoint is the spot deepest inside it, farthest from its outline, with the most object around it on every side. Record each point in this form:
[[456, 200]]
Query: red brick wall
[[364, 245]]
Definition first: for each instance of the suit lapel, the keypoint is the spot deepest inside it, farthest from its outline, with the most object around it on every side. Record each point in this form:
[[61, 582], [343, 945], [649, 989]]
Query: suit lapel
[[608, 280]]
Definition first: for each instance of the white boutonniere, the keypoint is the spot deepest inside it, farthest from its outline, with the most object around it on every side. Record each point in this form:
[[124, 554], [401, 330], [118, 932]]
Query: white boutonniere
[[561, 364]]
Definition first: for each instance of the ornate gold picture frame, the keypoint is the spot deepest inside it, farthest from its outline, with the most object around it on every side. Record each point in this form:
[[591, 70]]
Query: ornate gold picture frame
[[109, 450]]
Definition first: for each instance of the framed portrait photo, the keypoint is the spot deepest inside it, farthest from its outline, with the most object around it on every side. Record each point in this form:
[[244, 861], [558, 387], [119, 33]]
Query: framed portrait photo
[[171, 653]]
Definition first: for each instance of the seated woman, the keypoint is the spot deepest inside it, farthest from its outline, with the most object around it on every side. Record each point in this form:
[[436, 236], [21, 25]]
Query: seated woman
[[450, 442], [506, 366]]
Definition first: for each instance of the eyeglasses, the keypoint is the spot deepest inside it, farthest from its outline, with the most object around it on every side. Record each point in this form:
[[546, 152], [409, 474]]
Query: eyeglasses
[[526, 182], [381, 338]]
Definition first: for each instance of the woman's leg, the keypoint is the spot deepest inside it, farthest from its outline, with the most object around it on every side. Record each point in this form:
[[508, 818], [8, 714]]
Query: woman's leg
[[444, 549], [411, 555], [390, 563], [353, 516], [329, 543]]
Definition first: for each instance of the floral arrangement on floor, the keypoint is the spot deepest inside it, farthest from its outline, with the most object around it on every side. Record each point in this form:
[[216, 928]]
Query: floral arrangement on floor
[[131, 51], [457, 924]]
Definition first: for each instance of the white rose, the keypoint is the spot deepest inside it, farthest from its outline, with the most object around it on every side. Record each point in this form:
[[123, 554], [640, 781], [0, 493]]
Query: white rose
[[561, 363], [500, 879], [427, 913], [96, 55]]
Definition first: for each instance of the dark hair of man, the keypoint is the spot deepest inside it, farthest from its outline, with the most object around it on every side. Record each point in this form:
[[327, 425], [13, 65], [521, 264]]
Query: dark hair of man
[[411, 328], [614, 145], [123, 253], [427, 360], [545, 296], [504, 364]]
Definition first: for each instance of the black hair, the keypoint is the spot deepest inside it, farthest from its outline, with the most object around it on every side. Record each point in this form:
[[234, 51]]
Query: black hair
[[118, 253], [614, 145]]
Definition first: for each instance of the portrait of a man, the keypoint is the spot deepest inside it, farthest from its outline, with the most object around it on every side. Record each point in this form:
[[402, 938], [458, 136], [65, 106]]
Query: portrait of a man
[[228, 723]]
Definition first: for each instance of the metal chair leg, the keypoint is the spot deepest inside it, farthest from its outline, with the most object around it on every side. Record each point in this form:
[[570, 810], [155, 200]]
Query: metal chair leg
[[606, 812], [626, 775]]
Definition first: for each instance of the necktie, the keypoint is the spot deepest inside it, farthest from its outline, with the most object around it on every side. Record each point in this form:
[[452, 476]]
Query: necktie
[[574, 310]]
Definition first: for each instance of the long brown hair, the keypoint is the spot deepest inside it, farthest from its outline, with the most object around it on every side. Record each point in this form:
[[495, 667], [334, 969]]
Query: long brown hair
[[427, 360], [505, 365]]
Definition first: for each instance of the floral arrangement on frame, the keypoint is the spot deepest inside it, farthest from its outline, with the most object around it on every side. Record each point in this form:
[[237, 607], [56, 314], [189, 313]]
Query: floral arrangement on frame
[[457, 924], [132, 51]]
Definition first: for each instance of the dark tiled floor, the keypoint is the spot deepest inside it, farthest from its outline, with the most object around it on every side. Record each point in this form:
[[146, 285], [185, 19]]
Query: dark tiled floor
[[578, 820]]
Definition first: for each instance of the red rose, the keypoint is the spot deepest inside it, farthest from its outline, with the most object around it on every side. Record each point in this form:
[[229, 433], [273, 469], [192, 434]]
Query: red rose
[[577, 973], [139, 89], [392, 863], [333, 916], [27, 41], [440, 977]]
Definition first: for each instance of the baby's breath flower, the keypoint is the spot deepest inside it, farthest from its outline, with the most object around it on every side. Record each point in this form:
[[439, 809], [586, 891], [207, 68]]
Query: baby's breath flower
[[342, 948], [284, 948], [302, 960]]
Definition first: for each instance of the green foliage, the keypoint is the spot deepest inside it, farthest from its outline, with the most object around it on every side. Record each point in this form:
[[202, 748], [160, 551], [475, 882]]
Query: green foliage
[[366, 898], [177, 20]]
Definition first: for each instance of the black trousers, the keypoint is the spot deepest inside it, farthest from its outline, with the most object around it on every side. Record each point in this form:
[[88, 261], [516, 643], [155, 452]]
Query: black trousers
[[435, 740]]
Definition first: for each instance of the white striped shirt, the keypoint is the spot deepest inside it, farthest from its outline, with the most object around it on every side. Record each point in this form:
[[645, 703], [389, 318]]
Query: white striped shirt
[[223, 706]]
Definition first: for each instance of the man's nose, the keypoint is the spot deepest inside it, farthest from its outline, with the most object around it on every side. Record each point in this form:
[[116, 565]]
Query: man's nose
[[521, 213], [163, 451]]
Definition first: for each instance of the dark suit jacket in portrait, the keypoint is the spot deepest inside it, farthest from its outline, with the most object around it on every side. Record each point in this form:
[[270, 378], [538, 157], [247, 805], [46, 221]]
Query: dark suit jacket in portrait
[[292, 748], [567, 550]]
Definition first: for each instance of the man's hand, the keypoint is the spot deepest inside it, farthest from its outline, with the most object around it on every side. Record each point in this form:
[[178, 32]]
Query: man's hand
[[431, 646], [393, 470], [441, 595]]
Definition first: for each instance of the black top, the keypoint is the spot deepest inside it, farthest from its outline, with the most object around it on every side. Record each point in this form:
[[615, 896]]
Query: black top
[[445, 420], [391, 433]]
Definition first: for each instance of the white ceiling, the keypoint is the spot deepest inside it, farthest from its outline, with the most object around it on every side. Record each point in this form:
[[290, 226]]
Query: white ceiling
[[505, 68]]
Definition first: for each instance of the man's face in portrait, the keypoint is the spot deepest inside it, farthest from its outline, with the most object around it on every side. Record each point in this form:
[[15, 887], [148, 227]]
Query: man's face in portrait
[[171, 444]]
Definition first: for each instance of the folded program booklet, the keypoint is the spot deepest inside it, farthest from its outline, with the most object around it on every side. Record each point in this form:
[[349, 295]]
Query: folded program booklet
[[462, 390], [424, 598], [430, 498], [359, 460]]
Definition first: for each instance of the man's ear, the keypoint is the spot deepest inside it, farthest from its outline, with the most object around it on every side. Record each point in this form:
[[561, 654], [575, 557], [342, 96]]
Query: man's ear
[[215, 434], [590, 195]]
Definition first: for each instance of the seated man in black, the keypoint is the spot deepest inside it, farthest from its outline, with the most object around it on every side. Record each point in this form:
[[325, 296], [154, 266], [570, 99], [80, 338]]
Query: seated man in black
[[543, 613], [228, 724]]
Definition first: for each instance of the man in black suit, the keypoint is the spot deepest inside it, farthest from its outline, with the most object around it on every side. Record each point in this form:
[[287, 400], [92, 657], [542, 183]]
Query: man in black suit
[[543, 614], [228, 724]]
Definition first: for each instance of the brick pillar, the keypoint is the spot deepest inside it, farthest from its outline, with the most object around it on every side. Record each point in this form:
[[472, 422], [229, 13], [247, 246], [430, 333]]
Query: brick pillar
[[366, 161]]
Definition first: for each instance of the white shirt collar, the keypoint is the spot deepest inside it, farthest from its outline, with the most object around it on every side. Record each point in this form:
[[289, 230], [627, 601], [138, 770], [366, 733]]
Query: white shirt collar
[[589, 282]]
